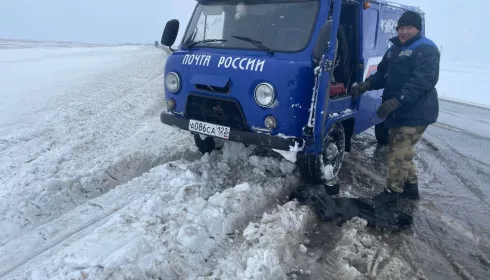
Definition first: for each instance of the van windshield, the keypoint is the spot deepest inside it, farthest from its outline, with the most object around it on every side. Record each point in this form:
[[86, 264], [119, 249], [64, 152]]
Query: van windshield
[[283, 26]]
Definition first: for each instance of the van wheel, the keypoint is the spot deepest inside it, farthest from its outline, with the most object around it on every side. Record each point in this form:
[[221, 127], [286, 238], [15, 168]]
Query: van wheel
[[208, 144], [317, 169], [382, 134]]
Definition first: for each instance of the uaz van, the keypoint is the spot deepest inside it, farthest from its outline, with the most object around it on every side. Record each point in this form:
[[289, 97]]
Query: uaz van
[[278, 74]]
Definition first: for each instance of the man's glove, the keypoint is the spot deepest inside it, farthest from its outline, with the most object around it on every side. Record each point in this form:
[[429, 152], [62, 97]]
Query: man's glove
[[387, 108], [359, 89]]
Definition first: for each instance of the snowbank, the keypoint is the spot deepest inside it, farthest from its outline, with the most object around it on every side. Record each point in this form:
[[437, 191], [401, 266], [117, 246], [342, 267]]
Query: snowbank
[[277, 248], [162, 224], [359, 254]]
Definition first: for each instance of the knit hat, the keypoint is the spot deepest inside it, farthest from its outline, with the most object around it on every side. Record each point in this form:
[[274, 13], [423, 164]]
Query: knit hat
[[410, 19]]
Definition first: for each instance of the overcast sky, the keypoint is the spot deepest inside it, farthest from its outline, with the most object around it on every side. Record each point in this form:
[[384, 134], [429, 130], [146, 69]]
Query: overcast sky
[[460, 29]]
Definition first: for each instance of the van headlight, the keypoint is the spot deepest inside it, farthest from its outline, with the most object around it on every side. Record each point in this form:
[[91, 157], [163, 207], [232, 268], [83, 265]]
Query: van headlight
[[172, 82], [265, 94]]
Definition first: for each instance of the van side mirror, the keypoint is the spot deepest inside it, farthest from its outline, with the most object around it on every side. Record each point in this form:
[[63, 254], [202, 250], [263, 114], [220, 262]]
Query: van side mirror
[[170, 33], [321, 45]]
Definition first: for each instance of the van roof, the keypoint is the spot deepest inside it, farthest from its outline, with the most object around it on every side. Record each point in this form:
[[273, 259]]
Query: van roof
[[398, 5], [385, 2]]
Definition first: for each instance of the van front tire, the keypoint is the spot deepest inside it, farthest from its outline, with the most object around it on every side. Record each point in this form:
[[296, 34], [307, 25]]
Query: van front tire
[[317, 169]]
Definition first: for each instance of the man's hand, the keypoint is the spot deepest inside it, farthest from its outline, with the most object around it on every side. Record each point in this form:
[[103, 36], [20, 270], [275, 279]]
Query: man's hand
[[387, 108], [359, 89]]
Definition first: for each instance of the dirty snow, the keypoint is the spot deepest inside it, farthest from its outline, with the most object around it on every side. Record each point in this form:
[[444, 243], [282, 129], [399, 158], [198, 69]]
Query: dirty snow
[[269, 245], [357, 254]]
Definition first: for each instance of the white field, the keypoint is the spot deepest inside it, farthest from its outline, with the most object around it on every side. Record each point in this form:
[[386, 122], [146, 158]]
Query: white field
[[464, 83]]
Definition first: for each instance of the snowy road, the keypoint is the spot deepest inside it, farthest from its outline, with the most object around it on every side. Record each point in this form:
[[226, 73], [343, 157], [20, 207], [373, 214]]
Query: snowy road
[[450, 237], [93, 186]]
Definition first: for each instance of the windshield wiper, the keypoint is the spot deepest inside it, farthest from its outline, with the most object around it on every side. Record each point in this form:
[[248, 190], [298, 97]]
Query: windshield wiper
[[205, 41], [255, 42]]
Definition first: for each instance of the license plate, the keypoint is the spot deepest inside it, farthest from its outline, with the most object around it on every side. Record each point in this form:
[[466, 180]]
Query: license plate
[[209, 129]]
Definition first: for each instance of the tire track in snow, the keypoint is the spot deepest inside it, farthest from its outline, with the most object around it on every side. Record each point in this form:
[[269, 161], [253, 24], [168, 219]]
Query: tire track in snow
[[173, 210], [57, 241]]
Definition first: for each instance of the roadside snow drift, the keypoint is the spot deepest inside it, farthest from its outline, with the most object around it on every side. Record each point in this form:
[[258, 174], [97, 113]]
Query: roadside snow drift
[[164, 223]]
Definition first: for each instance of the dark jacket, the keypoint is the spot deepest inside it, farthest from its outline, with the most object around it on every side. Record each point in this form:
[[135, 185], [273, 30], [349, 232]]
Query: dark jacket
[[410, 73]]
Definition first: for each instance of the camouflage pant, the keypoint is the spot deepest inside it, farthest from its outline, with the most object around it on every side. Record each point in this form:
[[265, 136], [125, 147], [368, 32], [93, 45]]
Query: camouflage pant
[[400, 156]]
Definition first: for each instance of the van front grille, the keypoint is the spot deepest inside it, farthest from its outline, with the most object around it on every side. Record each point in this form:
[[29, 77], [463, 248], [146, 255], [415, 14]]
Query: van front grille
[[224, 89], [215, 110]]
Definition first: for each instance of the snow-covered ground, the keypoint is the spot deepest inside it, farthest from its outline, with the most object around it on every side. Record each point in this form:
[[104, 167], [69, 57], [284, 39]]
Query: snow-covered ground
[[93, 186], [464, 82], [16, 44], [74, 124]]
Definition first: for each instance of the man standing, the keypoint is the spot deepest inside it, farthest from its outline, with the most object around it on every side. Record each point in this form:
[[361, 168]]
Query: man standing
[[408, 72]]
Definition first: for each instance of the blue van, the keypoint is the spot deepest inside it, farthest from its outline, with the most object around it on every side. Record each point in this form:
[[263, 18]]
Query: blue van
[[277, 74]]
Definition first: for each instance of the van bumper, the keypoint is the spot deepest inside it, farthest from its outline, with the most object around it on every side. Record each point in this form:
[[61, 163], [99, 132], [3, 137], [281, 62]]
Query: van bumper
[[249, 138]]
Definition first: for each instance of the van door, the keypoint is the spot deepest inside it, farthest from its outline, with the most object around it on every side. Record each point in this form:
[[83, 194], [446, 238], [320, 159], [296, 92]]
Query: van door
[[372, 52], [315, 128]]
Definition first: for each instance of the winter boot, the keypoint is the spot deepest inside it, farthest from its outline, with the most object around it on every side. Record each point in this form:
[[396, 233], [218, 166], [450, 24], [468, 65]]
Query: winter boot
[[411, 191], [388, 198]]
